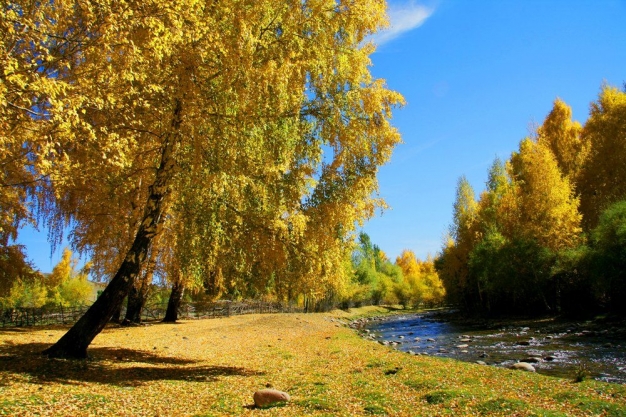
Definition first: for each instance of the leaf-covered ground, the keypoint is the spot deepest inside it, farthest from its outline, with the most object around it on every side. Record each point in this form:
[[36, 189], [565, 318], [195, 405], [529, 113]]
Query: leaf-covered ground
[[212, 368]]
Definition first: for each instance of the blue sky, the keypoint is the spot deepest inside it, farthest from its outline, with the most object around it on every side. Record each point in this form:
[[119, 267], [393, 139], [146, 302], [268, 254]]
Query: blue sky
[[476, 76]]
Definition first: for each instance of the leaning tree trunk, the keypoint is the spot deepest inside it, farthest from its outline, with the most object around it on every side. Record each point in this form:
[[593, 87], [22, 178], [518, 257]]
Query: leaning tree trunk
[[139, 293], [171, 315], [75, 342]]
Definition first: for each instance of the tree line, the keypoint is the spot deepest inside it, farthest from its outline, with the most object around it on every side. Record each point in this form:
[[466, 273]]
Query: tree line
[[548, 234], [409, 281], [65, 286], [226, 147]]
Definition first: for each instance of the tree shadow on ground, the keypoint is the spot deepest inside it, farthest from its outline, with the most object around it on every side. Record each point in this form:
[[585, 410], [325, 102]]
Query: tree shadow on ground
[[29, 329], [115, 366]]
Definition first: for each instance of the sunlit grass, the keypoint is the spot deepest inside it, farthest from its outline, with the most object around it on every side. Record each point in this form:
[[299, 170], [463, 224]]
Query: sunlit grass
[[212, 368]]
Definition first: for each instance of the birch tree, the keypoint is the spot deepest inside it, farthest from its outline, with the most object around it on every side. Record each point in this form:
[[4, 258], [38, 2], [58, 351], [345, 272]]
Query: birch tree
[[268, 103]]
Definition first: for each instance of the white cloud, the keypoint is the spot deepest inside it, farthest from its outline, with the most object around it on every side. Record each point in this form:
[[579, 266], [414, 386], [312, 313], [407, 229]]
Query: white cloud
[[402, 18]]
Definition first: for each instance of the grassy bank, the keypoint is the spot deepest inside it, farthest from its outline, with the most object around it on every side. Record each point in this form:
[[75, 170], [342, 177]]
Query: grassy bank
[[212, 368]]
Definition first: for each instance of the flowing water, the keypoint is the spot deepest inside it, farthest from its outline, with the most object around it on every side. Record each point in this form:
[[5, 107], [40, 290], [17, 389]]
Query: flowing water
[[563, 349]]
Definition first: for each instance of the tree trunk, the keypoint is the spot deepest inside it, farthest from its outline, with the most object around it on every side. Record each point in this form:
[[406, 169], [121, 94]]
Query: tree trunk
[[75, 342], [139, 292], [117, 314], [136, 301], [171, 315]]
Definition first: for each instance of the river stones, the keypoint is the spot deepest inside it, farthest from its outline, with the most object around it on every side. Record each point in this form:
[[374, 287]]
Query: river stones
[[481, 362], [430, 339], [267, 397], [462, 346], [523, 366], [532, 359]]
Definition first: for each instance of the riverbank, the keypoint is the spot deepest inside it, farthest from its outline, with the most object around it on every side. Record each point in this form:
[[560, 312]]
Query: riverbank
[[212, 368]]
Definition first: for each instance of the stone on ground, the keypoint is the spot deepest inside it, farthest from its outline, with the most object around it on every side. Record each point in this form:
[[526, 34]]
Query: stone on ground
[[267, 397]]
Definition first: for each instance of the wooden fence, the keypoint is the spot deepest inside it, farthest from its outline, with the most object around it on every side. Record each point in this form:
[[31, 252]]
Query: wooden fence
[[15, 317]]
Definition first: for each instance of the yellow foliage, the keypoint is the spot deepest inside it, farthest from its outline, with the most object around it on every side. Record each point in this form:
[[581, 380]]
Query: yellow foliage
[[421, 283], [247, 95], [547, 209], [62, 271], [563, 137], [602, 178]]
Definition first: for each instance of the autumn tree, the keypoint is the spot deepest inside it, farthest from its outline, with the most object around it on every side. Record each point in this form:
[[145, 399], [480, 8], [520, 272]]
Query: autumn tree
[[601, 179], [232, 96], [420, 282], [31, 62], [548, 208], [535, 218], [452, 264], [504, 247], [564, 139], [14, 267]]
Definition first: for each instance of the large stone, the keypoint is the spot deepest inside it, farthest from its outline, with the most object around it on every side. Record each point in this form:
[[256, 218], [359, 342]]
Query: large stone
[[523, 366], [267, 397]]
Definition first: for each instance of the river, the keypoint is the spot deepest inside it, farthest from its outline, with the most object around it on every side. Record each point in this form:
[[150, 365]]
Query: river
[[556, 348]]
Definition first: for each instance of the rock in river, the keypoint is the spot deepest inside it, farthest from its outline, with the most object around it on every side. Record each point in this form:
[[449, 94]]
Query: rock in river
[[523, 366]]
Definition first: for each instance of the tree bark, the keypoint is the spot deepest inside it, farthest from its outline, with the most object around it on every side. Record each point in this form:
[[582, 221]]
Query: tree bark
[[134, 307], [171, 315], [75, 342], [116, 317], [139, 292]]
